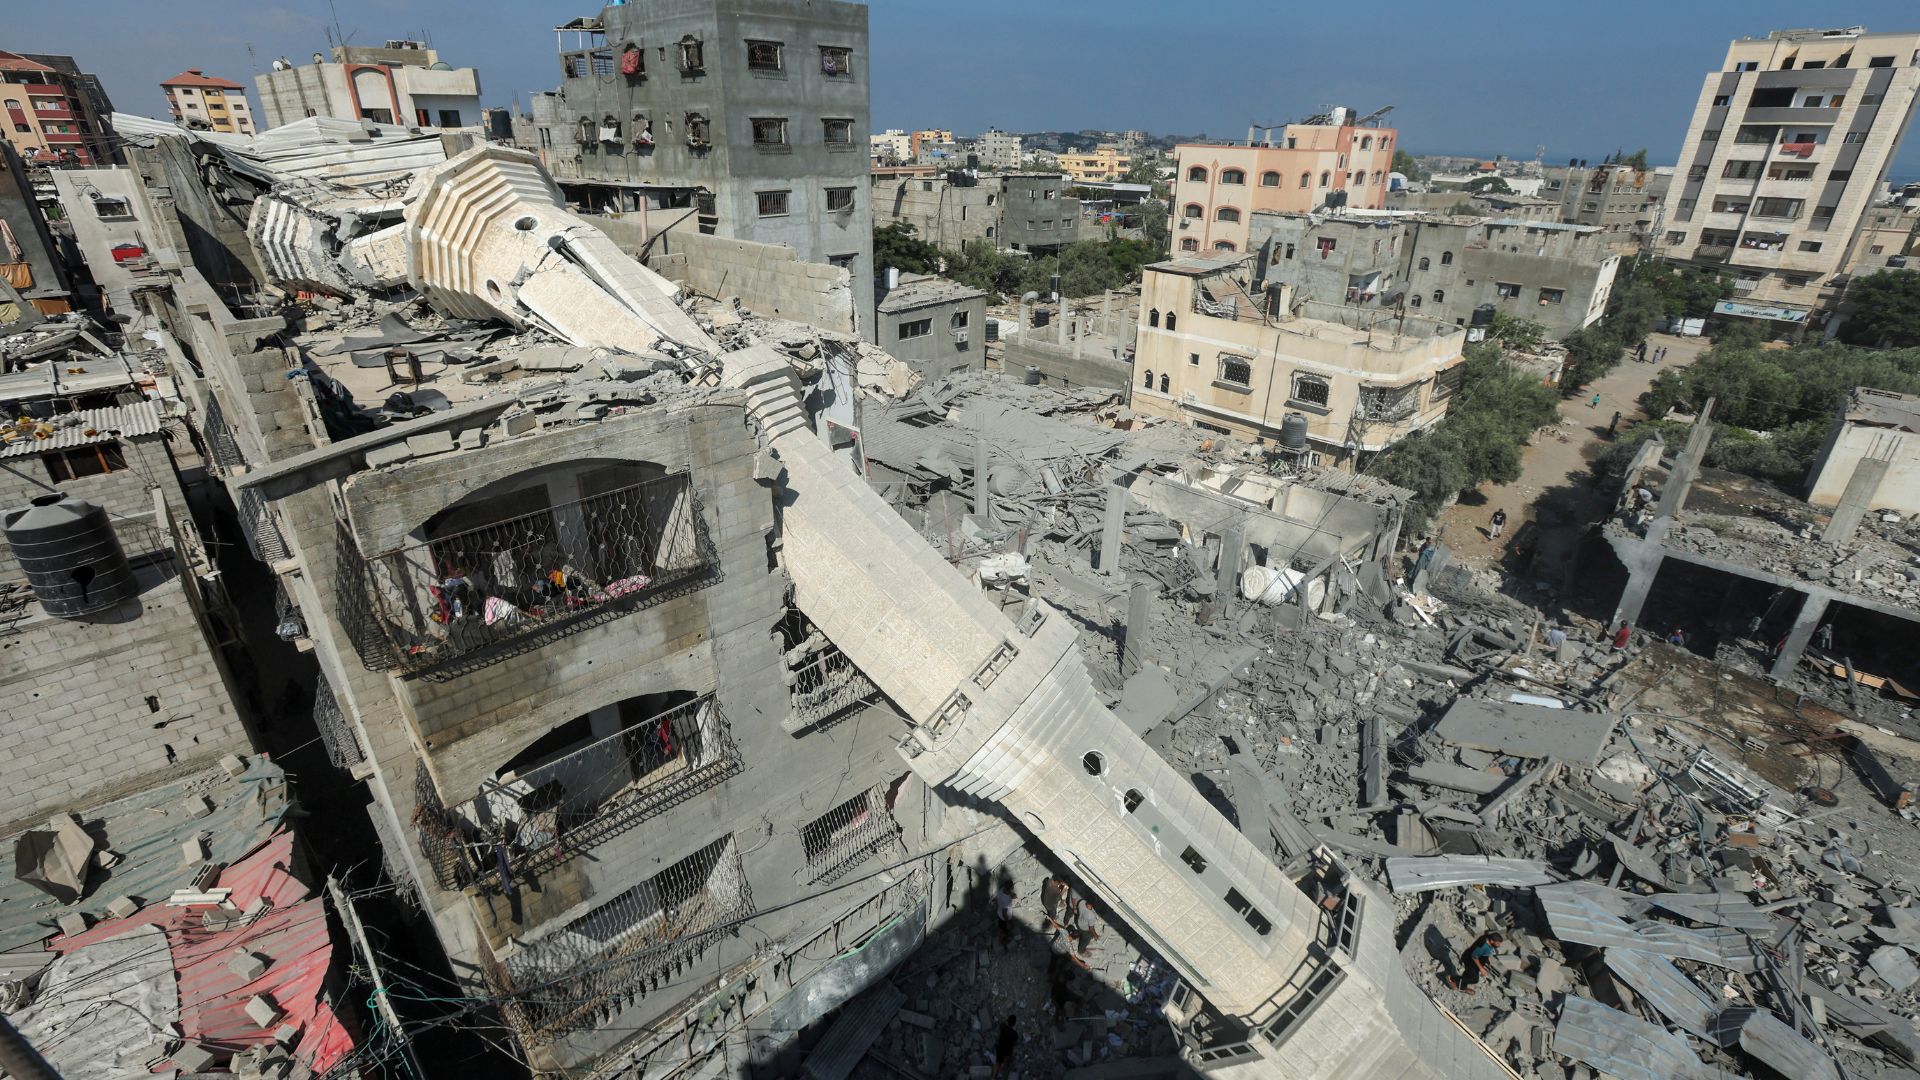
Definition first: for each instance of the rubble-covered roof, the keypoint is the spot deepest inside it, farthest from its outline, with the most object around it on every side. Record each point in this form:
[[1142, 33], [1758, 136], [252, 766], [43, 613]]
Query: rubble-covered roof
[[919, 292], [1884, 408], [87, 427]]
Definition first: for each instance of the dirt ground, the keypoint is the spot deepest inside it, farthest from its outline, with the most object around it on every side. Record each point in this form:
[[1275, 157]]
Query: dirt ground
[[1557, 461]]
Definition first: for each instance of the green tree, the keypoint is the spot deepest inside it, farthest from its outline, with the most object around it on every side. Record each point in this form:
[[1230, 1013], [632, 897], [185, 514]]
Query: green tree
[[895, 245], [1153, 222], [1404, 164], [1521, 335], [1493, 184], [1883, 310], [1639, 159]]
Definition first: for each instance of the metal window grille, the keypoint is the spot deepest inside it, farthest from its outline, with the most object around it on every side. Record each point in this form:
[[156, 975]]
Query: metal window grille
[[763, 56], [222, 447], [826, 687], [478, 595], [628, 947], [848, 835], [1389, 402], [288, 622], [260, 527], [556, 810], [336, 731]]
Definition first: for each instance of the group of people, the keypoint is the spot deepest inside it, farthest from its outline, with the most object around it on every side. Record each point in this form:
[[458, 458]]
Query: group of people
[[1640, 353], [1071, 927]]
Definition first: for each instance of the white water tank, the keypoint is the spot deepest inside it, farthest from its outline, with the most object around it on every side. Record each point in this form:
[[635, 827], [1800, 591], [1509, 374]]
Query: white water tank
[[1274, 586]]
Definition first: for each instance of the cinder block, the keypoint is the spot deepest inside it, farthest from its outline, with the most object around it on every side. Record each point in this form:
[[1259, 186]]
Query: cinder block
[[285, 1034], [235, 765], [198, 806], [247, 965], [392, 454], [121, 907], [193, 850], [263, 1011], [192, 1058], [72, 922], [433, 442]]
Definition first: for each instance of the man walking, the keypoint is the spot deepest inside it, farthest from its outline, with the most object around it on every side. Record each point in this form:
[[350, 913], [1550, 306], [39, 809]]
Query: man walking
[[1823, 638], [1473, 962], [1053, 897], [1614, 424], [1003, 913], [1499, 523]]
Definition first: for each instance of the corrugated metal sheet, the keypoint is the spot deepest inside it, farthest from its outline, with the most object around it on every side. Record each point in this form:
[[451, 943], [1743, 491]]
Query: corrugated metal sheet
[[265, 874], [147, 830], [1769, 1040], [87, 428], [1421, 874], [1721, 946], [1620, 1045], [1577, 917], [1662, 985], [1716, 909]]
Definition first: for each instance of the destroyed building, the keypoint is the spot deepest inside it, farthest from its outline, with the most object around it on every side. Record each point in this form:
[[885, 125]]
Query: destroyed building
[[699, 663]]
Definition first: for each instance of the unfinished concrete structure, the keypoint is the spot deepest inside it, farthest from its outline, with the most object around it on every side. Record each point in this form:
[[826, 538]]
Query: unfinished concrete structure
[[570, 609], [1013, 212], [935, 326], [1873, 425]]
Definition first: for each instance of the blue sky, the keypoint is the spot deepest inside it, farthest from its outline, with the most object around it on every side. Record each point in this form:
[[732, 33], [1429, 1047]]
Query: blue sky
[[1471, 76]]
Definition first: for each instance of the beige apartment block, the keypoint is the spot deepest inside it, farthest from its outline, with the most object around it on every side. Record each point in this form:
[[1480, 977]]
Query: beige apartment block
[[1220, 352], [1218, 187], [208, 102], [404, 83], [1789, 142], [1106, 163]]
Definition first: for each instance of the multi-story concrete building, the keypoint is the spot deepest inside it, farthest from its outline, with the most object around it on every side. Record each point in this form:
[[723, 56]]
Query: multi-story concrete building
[[1012, 211], [1889, 239], [1225, 349], [751, 114], [404, 82], [935, 326], [31, 266], [1790, 141], [1616, 198], [891, 147], [1218, 187], [998, 149], [54, 112], [201, 100], [1103, 163]]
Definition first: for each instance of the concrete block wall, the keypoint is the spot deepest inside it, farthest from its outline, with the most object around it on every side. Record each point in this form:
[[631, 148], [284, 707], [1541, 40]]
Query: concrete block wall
[[78, 727], [1095, 366], [770, 279], [126, 495]]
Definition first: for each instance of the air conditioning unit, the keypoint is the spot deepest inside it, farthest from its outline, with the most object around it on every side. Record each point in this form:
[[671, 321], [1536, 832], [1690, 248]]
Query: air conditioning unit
[[960, 335]]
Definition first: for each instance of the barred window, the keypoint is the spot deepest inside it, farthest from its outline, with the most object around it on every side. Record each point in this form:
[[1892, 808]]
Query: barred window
[[765, 56], [770, 131]]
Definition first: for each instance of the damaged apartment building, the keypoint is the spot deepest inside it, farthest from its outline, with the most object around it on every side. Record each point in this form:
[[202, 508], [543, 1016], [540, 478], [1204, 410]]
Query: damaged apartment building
[[679, 727], [1227, 347], [748, 125]]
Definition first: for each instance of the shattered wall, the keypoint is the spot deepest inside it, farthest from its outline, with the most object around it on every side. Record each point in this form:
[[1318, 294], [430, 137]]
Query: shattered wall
[[770, 279]]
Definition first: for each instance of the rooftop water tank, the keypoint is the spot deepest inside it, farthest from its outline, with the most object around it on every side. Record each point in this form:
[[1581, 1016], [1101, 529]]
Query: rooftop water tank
[[70, 555], [1293, 431]]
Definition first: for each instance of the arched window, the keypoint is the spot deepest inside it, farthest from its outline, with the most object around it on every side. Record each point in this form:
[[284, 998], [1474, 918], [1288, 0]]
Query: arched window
[[1360, 177], [1269, 179], [1153, 317], [1147, 382], [1425, 263], [1232, 176], [1439, 296], [1169, 320], [1226, 213], [1366, 142], [1223, 245], [1446, 258], [1187, 244], [1197, 175], [1194, 211], [1163, 384], [1325, 176], [1306, 179]]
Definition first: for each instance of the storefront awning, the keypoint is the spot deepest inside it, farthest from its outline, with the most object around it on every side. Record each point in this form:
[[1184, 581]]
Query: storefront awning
[[1771, 312]]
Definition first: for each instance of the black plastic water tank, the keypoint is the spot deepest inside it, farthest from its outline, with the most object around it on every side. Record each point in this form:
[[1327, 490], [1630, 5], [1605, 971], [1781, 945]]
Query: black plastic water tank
[[1293, 431], [70, 555]]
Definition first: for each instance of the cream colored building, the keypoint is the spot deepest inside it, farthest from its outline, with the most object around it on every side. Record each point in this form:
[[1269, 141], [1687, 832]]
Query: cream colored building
[[204, 101], [1105, 163], [1219, 351], [892, 146], [1889, 239], [403, 83], [1218, 187], [1789, 142]]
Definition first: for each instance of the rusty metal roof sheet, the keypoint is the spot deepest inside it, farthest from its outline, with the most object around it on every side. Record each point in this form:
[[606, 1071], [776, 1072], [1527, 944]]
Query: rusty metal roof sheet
[[84, 428]]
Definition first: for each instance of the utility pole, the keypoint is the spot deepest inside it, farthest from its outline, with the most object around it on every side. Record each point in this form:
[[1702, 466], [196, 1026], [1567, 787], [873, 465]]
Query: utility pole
[[363, 948]]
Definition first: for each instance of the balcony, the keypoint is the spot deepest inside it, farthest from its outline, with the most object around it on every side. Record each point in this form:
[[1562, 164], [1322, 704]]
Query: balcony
[[847, 835], [467, 599], [530, 823], [62, 138], [52, 110], [578, 977], [826, 687], [1713, 252]]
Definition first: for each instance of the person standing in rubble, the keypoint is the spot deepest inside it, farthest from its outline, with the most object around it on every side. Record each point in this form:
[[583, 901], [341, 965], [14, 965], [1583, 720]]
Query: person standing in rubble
[[1003, 914], [1823, 638], [1005, 1045], [1499, 523], [1053, 898], [1473, 962], [1622, 636]]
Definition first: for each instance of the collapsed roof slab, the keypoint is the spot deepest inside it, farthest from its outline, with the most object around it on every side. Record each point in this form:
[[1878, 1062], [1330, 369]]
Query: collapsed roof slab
[[1528, 731]]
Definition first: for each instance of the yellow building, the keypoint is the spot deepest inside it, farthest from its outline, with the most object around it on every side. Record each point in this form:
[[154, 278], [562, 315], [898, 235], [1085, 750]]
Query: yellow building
[[1103, 164], [202, 101], [1219, 351]]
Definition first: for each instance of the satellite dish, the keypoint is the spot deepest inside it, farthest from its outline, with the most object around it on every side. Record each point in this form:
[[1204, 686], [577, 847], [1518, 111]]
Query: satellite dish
[[281, 64], [319, 59]]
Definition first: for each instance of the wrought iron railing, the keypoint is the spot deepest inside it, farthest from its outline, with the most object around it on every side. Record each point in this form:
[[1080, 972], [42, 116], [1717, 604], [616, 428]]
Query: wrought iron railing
[[474, 597], [847, 835], [636, 943], [519, 828], [826, 687], [336, 731]]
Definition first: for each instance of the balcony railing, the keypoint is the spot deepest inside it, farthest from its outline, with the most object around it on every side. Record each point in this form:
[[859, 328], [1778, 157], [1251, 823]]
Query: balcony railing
[[470, 598], [539, 819], [826, 687], [624, 949], [847, 835]]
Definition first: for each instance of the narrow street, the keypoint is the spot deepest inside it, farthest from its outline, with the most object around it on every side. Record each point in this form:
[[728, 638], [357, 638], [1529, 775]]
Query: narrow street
[[1554, 469]]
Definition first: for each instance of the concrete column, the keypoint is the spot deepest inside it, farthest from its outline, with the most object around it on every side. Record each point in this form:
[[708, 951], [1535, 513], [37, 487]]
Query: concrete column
[[1106, 312], [1673, 498], [1634, 597], [1108, 554], [1813, 610], [1079, 338], [1139, 603], [1226, 569], [1026, 315], [982, 481], [1856, 500]]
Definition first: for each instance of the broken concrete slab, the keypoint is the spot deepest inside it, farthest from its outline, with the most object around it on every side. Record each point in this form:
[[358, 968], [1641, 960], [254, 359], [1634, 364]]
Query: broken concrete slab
[[1452, 871], [1528, 730], [1895, 967]]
